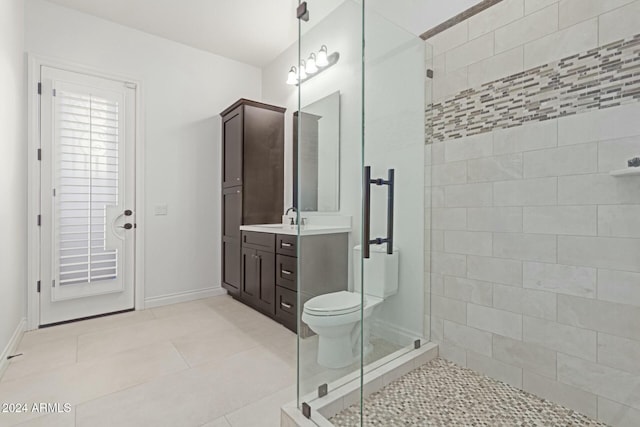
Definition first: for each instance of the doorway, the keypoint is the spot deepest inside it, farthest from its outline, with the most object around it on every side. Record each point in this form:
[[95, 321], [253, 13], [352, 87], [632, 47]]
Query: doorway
[[87, 195]]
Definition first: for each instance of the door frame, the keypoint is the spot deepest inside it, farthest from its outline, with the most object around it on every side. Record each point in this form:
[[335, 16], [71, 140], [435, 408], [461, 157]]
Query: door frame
[[34, 64]]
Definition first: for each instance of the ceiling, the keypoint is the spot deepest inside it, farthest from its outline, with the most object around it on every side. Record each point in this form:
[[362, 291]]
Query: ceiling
[[250, 31]]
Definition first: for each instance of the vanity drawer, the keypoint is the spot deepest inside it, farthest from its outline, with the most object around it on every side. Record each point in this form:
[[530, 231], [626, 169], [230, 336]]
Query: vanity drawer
[[287, 245], [286, 272], [286, 307], [262, 241]]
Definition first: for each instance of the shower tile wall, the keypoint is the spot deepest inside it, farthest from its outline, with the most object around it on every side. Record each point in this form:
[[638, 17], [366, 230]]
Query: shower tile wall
[[535, 248]]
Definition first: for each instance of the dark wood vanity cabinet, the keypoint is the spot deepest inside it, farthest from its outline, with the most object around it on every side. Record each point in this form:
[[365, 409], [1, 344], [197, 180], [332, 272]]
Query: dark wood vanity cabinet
[[275, 281], [252, 178]]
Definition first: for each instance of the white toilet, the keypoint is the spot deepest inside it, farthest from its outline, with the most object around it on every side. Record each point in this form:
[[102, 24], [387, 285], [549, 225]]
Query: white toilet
[[334, 316]]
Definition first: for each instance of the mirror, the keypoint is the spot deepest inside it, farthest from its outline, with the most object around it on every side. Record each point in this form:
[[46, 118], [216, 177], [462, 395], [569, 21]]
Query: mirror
[[316, 156]]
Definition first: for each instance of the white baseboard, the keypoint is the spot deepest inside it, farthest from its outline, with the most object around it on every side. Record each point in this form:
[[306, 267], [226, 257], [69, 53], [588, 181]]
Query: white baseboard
[[393, 333], [12, 345], [182, 297]]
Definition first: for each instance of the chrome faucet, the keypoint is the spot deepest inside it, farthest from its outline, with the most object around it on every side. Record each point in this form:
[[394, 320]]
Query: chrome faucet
[[292, 208]]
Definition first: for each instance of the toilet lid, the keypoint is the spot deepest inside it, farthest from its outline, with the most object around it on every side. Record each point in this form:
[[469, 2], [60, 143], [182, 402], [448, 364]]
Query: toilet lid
[[335, 303]]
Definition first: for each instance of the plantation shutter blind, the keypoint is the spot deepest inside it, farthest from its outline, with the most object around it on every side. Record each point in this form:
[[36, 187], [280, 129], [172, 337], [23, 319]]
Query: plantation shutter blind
[[87, 155]]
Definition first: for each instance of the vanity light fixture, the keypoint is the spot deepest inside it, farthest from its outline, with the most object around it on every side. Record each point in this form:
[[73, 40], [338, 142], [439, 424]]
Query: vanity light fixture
[[317, 63], [292, 77]]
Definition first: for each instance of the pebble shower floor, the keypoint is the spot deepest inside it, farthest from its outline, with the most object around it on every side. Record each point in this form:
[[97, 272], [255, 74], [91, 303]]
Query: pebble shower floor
[[444, 394]]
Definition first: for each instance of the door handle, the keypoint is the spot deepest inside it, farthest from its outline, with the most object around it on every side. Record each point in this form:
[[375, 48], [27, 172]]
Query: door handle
[[287, 272], [127, 226], [366, 232], [285, 305], [128, 212]]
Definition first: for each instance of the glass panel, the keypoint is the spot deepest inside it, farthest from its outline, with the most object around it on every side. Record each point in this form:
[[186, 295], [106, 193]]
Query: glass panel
[[87, 182], [328, 183]]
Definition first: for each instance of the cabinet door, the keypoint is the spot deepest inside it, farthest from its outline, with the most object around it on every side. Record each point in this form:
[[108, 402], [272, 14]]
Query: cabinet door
[[250, 276], [231, 265], [267, 281], [231, 212], [232, 148]]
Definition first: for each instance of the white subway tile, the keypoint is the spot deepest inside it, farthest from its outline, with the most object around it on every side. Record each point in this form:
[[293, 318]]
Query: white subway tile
[[527, 192], [613, 154], [561, 279], [469, 338], [597, 189], [617, 414], [619, 353], [468, 290], [468, 242], [437, 240], [505, 271], [619, 286], [437, 153], [528, 247], [611, 383], [496, 67], [574, 11], [449, 218], [529, 137], [531, 357], [531, 27], [437, 284], [452, 353], [571, 220], [615, 319], [495, 168], [495, 17], [449, 309], [436, 194], [473, 51], [619, 221], [566, 339], [620, 23], [448, 264], [493, 368], [446, 84], [497, 321], [558, 45], [494, 219], [600, 125], [525, 301], [570, 397], [571, 160], [470, 147], [601, 252], [468, 195], [449, 173], [437, 329], [450, 38], [533, 5]]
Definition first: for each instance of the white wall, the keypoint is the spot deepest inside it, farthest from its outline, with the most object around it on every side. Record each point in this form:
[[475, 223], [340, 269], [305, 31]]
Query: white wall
[[13, 176], [184, 90], [394, 129]]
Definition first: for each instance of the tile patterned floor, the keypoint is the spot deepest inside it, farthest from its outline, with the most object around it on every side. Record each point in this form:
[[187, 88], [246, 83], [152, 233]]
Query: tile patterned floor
[[443, 394], [211, 363]]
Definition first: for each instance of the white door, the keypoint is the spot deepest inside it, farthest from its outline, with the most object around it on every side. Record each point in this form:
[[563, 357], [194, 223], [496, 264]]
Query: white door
[[87, 196]]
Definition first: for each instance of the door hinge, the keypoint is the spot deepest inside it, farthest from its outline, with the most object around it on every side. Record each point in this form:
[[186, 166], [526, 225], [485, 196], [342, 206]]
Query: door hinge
[[302, 12], [53, 283], [54, 92], [39, 153], [39, 88], [39, 220], [54, 192], [38, 286]]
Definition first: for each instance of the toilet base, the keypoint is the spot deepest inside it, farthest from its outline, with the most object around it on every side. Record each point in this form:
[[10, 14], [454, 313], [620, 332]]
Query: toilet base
[[335, 352]]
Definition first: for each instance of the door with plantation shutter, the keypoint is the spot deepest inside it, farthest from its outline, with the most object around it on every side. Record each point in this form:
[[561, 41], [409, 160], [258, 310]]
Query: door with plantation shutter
[[87, 196]]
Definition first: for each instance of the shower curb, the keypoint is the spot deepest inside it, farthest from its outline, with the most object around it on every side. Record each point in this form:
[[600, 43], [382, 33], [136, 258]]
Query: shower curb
[[346, 391]]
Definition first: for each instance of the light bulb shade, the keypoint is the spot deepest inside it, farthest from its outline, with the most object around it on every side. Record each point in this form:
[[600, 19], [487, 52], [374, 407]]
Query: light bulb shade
[[302, 72], [292, 77], [321, 59], [311, 64]]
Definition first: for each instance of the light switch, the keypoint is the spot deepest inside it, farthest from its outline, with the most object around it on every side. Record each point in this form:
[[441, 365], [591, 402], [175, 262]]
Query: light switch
[[160, 209]]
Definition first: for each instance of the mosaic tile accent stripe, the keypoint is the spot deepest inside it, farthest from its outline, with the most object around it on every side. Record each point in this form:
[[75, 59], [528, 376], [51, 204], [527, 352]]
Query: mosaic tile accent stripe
[[443, 394], [603, 77]]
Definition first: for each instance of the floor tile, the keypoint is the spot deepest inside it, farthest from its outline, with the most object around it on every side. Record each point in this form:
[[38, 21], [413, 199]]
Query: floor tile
[[263, 413], [42, 358]]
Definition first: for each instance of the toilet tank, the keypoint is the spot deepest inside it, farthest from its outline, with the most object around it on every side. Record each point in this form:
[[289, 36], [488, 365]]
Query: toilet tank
[[380, 271]]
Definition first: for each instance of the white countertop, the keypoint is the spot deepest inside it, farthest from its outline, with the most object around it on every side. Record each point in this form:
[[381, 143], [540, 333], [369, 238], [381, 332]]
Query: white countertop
[[307, 230]]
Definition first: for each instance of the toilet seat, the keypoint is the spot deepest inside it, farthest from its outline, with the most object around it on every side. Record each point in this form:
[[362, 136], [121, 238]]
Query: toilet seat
[[334, 304]]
